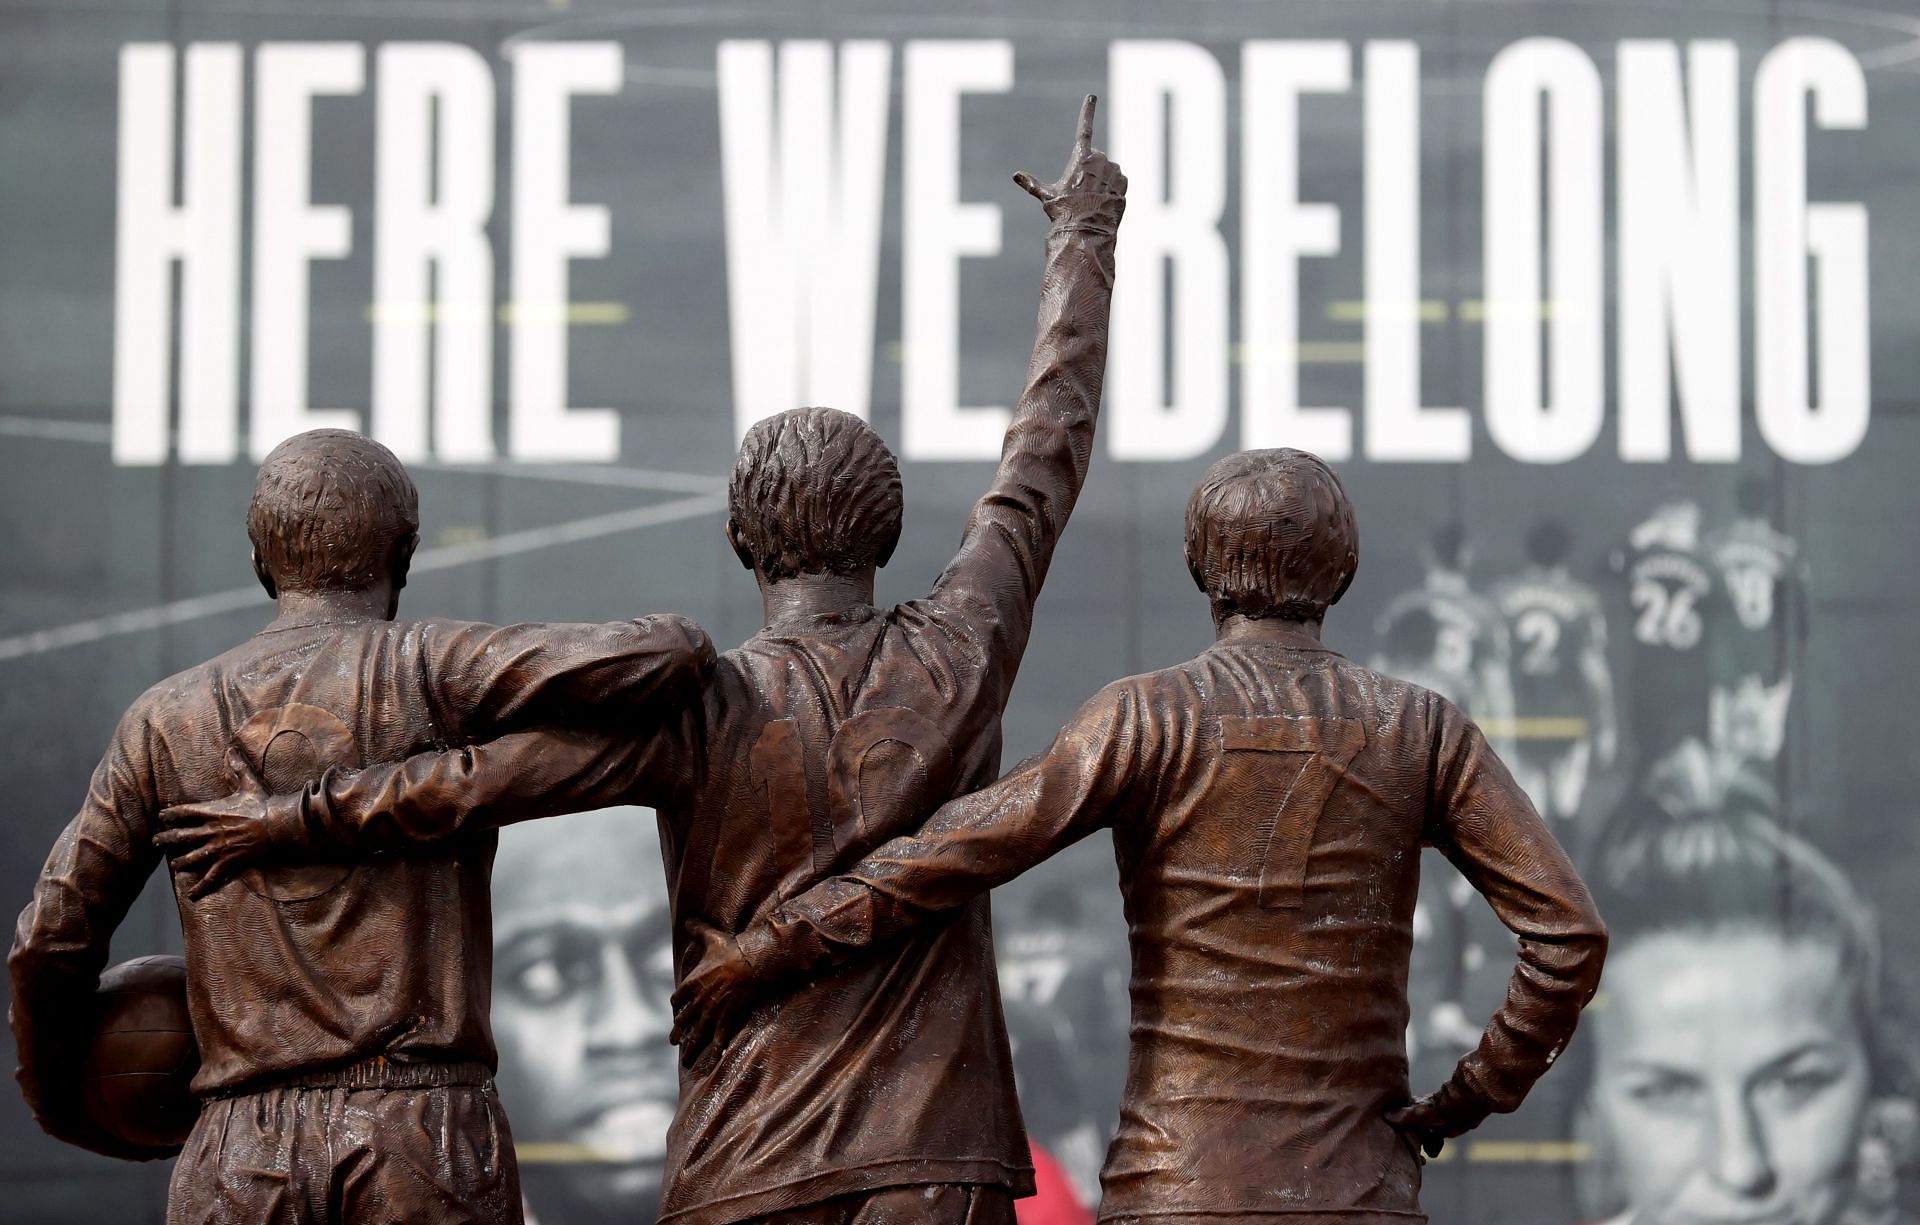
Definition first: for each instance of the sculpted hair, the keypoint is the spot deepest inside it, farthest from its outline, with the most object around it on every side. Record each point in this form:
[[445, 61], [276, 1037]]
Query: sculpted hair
[[814, 491], [1271, 534], [330, 508]]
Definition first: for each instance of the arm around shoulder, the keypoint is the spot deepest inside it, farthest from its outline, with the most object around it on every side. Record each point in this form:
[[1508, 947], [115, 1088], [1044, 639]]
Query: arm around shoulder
[[974, 843], [969, 846], [485, 678]]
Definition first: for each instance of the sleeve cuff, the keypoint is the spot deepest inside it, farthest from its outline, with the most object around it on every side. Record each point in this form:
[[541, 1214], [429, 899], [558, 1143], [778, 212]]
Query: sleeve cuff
[[1087, 213], [291, 821], [1462, 1108], [760, 946]]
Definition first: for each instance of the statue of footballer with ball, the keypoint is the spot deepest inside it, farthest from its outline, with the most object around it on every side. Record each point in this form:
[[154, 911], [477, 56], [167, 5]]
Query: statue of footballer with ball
[[339, 1010]]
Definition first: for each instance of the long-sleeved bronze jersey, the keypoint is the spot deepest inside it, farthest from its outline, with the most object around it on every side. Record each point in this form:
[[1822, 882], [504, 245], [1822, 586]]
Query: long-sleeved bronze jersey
[[299, 968], [816, 741], [1268, 802]]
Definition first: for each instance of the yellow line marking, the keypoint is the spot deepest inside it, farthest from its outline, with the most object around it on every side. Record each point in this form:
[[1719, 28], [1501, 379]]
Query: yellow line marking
[[1535, 728], [1542, 1152], [1351, 310], [539, 1152], [1473, 310], [1330, 353]]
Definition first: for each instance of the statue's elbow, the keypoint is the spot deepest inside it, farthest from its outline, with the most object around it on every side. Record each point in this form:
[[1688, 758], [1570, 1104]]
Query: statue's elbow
[[1592, 945]]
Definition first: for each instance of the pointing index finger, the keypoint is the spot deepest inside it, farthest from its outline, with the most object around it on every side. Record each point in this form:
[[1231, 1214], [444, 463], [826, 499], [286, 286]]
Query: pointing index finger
[[1083, 139]]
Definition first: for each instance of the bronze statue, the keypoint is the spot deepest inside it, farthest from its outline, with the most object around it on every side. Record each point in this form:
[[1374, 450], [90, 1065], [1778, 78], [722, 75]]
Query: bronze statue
[[1269, 801], [882, 1090], [340, 1008]]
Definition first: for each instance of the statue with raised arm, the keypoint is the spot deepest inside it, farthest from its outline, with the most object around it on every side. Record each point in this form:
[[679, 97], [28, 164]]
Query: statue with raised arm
[[881, 1090], [1268, 801], [340, 1009]]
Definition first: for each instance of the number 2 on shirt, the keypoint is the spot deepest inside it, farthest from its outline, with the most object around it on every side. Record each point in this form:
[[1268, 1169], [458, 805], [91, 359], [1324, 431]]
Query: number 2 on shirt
[[1539, 634]]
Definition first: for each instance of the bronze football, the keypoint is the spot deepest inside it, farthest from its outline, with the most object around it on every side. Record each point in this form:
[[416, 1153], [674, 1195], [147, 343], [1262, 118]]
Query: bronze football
[[141, 1061]]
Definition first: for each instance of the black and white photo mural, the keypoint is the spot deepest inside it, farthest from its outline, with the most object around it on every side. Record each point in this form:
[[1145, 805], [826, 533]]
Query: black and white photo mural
[[1600, 308]]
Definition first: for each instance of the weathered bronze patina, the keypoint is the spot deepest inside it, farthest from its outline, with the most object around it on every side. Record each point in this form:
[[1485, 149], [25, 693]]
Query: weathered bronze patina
[[882, 1089], [340, 1007], [1269, 801]]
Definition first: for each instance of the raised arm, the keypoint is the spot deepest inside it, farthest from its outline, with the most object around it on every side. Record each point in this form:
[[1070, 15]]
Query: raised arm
[[60, 945], [969, 846], [485, 679], [995, 578], [1482, 821], [428, 798]]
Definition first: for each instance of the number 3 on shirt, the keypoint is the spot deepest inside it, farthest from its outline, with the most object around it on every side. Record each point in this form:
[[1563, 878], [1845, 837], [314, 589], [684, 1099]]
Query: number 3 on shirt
[[1288, 768]]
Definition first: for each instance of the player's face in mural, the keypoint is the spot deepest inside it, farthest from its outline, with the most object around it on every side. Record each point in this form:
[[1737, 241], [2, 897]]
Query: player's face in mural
[[583, 971], [1731, 1078]]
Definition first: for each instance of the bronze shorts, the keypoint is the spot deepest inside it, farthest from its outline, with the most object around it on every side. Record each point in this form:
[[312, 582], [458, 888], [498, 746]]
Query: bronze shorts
[[310, 1152]]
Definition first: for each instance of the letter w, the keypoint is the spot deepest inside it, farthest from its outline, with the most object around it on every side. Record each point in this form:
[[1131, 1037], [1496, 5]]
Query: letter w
[[803, 191]]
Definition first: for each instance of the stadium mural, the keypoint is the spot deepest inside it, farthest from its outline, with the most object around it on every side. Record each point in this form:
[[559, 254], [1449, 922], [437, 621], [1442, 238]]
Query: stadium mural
[[1598, 309]]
